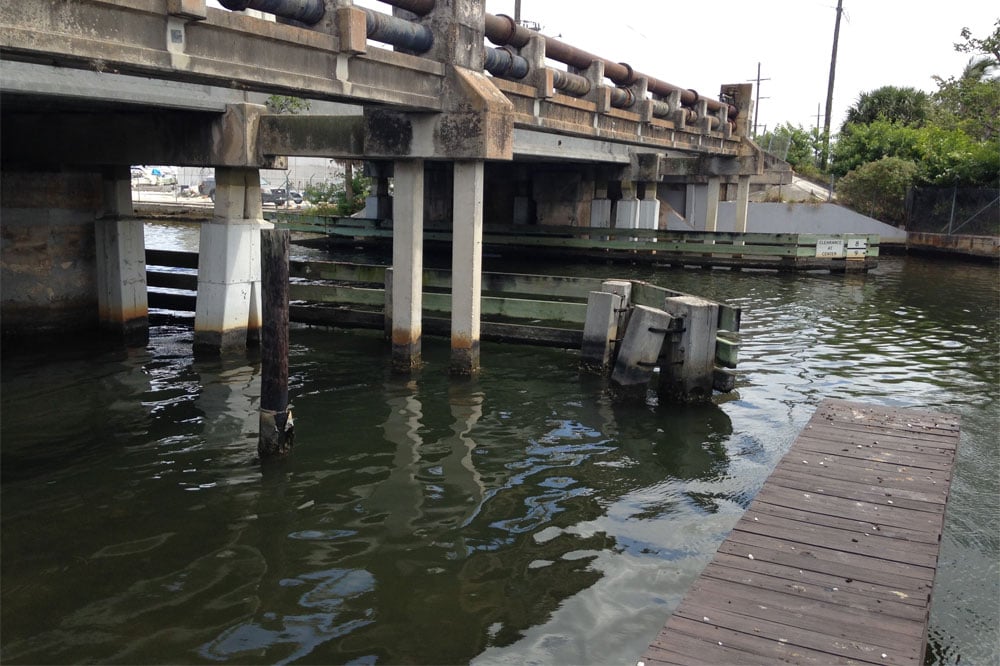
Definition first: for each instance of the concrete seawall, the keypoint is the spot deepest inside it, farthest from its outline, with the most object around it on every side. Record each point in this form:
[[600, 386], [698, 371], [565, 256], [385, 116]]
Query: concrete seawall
[[812, 218]]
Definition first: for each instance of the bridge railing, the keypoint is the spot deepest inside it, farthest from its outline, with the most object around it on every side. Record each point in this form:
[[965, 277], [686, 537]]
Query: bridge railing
[[521, 54]]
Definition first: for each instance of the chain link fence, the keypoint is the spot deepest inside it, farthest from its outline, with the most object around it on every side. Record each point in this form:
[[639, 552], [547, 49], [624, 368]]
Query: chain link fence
[[777, 145], [954, 210]]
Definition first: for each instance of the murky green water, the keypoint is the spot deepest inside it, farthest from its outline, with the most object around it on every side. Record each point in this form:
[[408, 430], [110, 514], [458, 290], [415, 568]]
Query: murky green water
[[521, 517]]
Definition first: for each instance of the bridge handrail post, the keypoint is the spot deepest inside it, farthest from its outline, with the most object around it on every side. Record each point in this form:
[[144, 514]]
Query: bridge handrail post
[[679, 112], [600, 94], [540, 77], [352, 27], [723, 115]]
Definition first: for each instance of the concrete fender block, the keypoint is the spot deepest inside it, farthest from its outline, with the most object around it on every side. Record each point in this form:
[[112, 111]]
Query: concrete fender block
[[640, 347], [689, 362], [600, 332]]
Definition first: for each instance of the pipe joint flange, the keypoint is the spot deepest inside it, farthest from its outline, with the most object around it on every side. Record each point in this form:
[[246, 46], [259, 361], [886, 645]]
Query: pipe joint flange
[[630, 77], [511, 30]]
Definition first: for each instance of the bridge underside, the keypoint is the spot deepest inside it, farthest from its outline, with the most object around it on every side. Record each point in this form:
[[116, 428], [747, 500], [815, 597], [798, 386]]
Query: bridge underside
[[142, 85]]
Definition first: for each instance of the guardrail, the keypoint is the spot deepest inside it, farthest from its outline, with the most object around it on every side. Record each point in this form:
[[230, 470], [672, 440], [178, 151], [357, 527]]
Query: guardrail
[[782, 251]]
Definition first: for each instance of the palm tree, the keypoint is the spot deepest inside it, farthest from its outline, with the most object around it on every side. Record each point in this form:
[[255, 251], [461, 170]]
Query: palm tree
[[906, 106]]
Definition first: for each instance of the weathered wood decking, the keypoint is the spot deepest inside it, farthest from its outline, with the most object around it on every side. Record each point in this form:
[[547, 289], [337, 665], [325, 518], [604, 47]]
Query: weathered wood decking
[[834, 560]]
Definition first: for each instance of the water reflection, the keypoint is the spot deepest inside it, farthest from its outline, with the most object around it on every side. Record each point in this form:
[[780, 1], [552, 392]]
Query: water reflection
[[398, 500], [326, 594], [518, 517]]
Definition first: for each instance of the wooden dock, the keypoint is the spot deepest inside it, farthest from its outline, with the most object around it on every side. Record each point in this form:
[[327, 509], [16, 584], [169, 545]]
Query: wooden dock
[[834, 561], [775, 251]]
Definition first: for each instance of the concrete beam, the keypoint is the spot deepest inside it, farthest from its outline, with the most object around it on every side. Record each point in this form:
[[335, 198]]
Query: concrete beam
[[313, 136], [46, 83], [179, 138], [478, 125], [226, 49], [529, 144]]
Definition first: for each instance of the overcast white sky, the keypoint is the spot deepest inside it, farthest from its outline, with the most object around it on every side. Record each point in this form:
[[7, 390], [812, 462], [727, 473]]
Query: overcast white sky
[[705, 44]]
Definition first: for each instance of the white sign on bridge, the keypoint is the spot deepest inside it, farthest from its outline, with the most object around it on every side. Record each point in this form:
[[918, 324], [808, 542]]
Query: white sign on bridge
[[829, 248], [857, 248]]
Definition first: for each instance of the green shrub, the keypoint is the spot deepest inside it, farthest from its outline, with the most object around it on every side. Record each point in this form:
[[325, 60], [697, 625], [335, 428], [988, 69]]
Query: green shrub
[[878, 189]]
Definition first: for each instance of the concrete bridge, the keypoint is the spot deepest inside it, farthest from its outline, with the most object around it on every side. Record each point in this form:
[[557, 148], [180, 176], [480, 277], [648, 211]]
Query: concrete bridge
[[469, 114]]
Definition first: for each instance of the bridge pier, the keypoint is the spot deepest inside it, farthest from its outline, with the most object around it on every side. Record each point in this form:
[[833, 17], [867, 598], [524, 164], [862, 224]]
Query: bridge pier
[[627, 208], [228, 310], [466, 266], [701, 208], [122, 307], [48, 277], [742, 203], [712, 194], [649, 208], [407, 264], [600, 205]]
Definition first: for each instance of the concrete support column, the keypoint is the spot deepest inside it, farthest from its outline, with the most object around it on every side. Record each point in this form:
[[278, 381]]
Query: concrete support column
[[228, 310], [742, 203], [627, 208], [600, 206], [466, 267], [122, 304], [378, 205], [648, 216], [407, 264], [712, 204], [524, 205], [692, 195]]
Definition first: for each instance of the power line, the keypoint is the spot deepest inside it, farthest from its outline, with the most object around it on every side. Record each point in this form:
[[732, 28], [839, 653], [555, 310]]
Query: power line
[[829, 89], [756, 104]]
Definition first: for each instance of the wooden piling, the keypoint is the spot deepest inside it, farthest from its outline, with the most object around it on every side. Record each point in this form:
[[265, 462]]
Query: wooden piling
[[277, 427]]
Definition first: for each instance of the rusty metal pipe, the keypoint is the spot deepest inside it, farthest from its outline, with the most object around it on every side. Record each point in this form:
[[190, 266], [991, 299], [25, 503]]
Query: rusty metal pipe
[[502, 30], [622, 98], [398, 31], [418, 7], [661, 109], [309, 12], [573, 84], [505, 63]]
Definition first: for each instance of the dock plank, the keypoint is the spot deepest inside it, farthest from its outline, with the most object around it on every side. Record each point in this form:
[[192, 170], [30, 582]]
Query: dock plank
[[834, 560], [829, 582]]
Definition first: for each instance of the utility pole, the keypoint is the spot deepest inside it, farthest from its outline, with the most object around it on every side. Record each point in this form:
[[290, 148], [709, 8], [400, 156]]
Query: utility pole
[[517, 12], [829, 88], [756, 104]]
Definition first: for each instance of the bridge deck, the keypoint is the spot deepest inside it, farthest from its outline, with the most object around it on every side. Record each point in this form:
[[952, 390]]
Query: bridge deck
[[834, 560]]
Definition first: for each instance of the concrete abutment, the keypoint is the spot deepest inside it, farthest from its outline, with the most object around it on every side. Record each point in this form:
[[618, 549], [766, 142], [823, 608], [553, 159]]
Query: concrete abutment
[[72, 258]]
